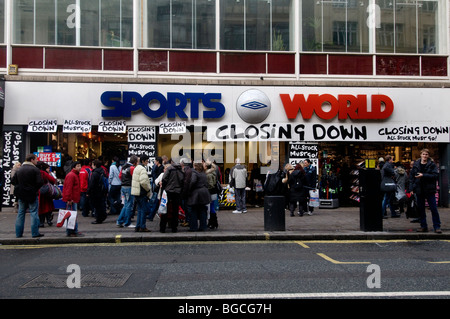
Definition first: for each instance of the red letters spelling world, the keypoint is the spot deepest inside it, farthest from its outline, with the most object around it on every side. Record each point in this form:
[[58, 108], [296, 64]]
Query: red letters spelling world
[[344, 106]]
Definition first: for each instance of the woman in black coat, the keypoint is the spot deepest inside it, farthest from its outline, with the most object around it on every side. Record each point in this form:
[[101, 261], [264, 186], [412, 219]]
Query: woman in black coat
[[422, 182], [198, 198], [298, 190]]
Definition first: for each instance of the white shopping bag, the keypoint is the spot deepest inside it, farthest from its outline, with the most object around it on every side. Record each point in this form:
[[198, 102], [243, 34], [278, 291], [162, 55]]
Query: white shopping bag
[[67, 218], [314, 198]]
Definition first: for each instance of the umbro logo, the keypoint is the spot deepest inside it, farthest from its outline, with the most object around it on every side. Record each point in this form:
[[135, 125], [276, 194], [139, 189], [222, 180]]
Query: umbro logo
[[255, 105]]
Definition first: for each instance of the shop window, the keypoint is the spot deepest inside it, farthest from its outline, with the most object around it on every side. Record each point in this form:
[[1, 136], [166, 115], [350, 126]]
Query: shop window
[[335, 26], [63, 22], [186, 24], [410, 26], [255, 25]]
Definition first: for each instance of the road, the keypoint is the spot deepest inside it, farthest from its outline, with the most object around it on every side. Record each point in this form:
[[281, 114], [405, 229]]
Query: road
[[208, 270]]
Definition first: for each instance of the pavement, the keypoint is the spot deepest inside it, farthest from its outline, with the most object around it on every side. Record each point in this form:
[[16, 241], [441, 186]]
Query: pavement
[[341, 223]]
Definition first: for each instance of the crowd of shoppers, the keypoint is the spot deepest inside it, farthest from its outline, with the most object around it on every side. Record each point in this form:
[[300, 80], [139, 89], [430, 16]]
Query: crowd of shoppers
[[190, 190]]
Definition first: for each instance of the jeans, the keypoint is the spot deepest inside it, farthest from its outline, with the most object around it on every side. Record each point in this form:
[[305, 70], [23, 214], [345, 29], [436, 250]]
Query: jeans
[[431, 199], [240, 199], [198, 213], [85, 204], [141, 211], [125, 214], [387, 201], [34, 216], [113, 197]]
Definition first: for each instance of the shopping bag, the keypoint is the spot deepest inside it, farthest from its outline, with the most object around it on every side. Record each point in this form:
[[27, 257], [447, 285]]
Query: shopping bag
[[163, 204], [314, 198], [258, 186], [67, 218]]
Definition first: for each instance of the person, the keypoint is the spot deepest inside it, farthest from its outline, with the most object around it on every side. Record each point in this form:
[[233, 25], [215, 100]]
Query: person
[[115, 185], [186, 166], [126, 176], [239, 175], [72, 193], [27, 181], [97, 191], [15, 168], [388, 171], [172, 183], [199, 197], [84, 175], [400, 177], [311, 181], [422, 183], [211, 176], [46, 205], [157, 169], [141, 190], [298, 190]]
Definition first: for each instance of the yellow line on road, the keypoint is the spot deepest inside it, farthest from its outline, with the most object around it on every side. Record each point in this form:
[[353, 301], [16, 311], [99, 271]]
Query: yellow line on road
[[341, 262], [439, 262], [302, 244]]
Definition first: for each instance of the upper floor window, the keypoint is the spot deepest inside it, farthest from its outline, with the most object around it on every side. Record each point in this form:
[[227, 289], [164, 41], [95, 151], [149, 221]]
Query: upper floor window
[[73, 22], [186, 24], [412, 26], [256, 25], [380, 26]]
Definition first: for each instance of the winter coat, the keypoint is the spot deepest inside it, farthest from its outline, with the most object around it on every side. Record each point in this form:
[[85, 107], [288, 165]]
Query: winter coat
[[298, 190], [239, 174], [425, 185], [388, 170], [46, 202], [71, 188], [27, 182], [311, 176], [95, 187], [211, 180], [198, 189], [187, 181], [84, 178], [173, 178], [140, 183], [401, 178]]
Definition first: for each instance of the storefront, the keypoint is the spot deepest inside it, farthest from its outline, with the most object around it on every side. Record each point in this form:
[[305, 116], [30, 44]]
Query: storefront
[[340, 128]]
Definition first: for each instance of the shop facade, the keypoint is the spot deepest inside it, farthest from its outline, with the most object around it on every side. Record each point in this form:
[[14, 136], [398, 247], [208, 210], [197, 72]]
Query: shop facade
[[340, 128]]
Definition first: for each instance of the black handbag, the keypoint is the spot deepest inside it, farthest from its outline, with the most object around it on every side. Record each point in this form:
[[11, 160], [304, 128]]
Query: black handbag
[[388, 185]]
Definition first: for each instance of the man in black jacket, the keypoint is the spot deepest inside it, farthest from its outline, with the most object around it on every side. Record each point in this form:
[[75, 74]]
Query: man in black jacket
[[27, 182], [422, 182]]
